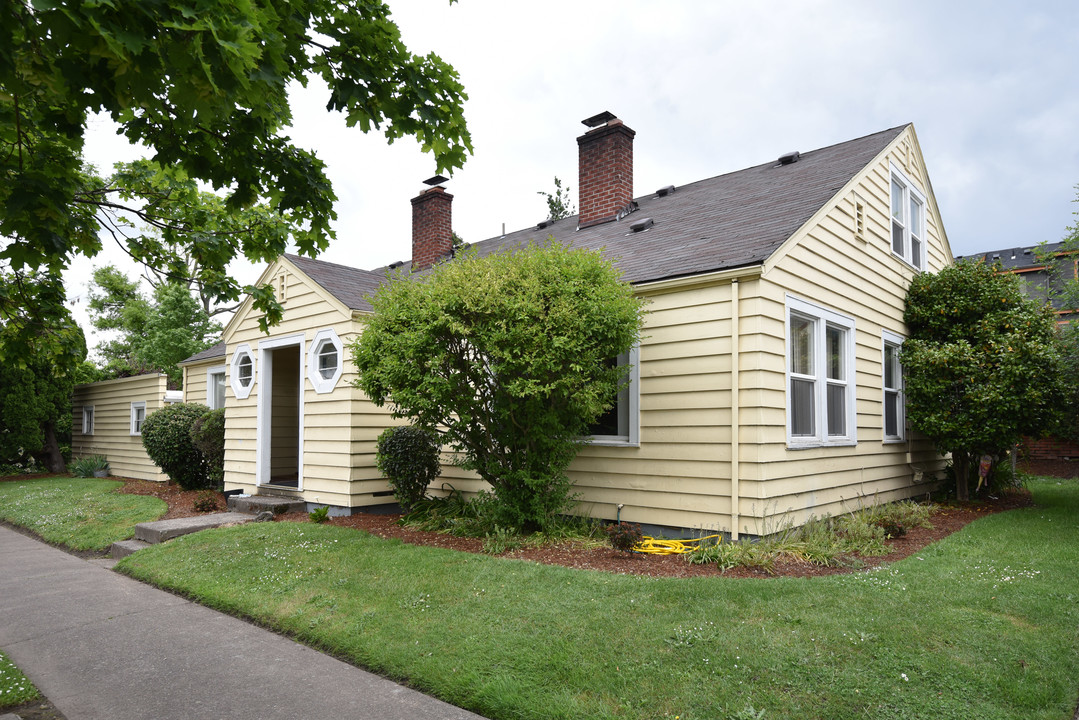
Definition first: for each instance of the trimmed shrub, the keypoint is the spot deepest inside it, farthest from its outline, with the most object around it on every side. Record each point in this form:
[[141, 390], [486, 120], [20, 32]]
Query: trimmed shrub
[[208, 434], [408, 457], [166, 435]]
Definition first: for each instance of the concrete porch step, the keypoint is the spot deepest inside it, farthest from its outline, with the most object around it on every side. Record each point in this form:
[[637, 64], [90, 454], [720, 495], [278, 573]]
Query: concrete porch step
[[162, 530], [276, 504], [124, 548]]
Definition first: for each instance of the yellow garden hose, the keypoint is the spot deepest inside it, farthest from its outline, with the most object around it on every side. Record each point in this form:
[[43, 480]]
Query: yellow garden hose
[[659, 546]]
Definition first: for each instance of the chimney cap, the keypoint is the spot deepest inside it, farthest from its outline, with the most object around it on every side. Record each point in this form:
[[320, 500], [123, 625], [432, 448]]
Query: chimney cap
[[596, 120], [436, 180]]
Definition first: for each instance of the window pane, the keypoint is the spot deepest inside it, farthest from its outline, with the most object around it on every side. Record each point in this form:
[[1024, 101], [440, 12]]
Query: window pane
[[897, 200], [837, 410], [897, 238], [891, 366], [915, 251], [801, 345], [802, 407], [834, 343], [245, 370], [615, 421], [217, 391], [327, 361], [891, 413], [915, 216]]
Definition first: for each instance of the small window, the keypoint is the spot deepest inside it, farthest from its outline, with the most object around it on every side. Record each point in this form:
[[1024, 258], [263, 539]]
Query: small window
[[243, 371], [908, 220], [894, 415], [215, 387], [621, 424], [324, 361], [138, 417], [820, 376], [87, 419]]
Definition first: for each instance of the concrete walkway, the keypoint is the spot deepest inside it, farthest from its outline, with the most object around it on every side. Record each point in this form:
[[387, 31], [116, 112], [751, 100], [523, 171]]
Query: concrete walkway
[[100, 645]]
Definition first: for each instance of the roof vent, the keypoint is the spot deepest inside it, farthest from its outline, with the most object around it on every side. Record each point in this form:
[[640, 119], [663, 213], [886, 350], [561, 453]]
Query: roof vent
[[544, 223], [996, 256], [399, 263], [642, 224], [790, 158], [665, 191], [1027, 251]]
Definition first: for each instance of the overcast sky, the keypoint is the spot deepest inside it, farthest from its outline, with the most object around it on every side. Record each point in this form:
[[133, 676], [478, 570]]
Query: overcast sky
[[712, 87]]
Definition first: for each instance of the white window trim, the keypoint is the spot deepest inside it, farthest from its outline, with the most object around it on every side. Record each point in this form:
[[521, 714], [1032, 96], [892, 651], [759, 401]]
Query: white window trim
[[633, 397], [322, 337], [822, 317], [241, 391], [890, 338], [218, 370], [136, 429], [87, 419], [910, 189]]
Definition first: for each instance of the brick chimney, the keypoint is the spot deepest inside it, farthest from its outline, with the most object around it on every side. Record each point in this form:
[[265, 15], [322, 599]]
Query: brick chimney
[[432, 229], [605, 170]]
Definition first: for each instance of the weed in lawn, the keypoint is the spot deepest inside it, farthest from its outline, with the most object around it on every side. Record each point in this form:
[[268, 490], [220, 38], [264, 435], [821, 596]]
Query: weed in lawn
[[502, 540], [319, 514], [207, 501]]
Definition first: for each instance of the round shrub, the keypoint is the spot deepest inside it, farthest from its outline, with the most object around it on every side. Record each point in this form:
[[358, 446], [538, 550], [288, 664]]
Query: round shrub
[[208, 434], [166, 435], [408, 456]]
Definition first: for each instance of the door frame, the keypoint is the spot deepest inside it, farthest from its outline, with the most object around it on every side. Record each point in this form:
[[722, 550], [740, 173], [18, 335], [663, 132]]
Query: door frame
[[264, 407]]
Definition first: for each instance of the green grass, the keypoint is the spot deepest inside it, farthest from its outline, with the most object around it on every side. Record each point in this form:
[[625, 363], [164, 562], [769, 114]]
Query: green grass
[[984, 623], [15, 688], [81, 513]]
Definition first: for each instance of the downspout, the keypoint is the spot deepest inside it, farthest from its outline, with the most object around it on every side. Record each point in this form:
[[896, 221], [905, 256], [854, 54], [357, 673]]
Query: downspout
[[735, 426]]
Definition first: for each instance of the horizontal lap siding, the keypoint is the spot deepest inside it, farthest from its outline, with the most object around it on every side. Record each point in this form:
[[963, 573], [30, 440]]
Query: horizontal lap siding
[[829, 266], [680, 474], [195, 380], [112, 423]]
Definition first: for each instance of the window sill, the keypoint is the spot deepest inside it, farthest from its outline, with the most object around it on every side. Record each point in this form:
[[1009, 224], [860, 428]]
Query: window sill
[[906, 262], [894, 441], [610, 441], [812, 444]]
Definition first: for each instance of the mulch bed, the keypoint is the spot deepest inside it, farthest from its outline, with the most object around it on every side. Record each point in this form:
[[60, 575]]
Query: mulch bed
[[950, 518]]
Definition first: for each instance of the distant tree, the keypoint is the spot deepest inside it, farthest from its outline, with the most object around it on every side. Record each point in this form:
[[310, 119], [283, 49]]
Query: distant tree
[[206, 88], [982, 362], [559, 203], [151, 334], [508, 354]]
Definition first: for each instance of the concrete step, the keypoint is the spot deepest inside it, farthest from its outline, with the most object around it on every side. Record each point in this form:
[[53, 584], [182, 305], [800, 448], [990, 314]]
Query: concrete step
[[124, 548], [162, 530], [276, 504]]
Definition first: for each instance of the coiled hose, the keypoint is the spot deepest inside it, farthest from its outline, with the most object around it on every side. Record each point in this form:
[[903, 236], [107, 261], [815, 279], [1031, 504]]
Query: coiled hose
[[659, 546]]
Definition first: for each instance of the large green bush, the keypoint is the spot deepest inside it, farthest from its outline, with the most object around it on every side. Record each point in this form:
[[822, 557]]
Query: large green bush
[[408, 456], [166, 435], [208, 435]]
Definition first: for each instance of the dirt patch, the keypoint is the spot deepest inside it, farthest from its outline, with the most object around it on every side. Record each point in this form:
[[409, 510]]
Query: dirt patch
[[40, 709]]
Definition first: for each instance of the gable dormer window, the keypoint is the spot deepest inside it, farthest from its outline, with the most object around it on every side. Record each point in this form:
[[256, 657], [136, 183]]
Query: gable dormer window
[[908, 220]]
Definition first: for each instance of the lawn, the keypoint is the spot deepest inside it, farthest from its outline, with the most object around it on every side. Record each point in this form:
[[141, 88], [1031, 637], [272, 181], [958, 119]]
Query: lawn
[[983, 624], [81, 513], [15, 688]]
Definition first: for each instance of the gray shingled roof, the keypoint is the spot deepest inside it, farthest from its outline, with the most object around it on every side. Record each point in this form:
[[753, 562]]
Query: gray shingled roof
[[217, 350], [1014, 258], [728, 221]]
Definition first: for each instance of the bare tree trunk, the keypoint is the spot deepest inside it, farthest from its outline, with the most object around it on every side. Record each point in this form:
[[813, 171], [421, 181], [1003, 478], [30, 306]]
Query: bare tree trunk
[[961, 463], [50, 454]]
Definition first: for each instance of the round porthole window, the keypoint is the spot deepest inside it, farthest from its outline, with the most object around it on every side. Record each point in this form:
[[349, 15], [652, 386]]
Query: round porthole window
[[324, 361]]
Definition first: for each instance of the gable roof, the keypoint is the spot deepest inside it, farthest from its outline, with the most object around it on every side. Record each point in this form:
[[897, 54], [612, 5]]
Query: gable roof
[[728, 221], [351, 286], [214, 351]]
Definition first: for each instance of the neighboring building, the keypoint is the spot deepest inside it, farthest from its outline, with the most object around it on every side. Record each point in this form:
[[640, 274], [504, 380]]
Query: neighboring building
[[1040, 279], [766, 389], [107, 420]]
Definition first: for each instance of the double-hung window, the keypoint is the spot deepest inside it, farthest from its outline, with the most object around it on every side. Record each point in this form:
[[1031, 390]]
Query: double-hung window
[[894, 415], [908, 220], [621, 424], [138, 416], [820, 376]]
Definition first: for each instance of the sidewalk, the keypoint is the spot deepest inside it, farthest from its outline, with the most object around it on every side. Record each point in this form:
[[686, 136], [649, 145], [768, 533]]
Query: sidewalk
[[102, 646]]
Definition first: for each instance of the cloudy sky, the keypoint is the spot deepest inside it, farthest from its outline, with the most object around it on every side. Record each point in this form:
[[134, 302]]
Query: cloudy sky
[[712, 87]]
